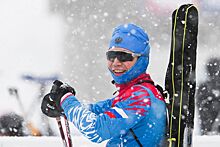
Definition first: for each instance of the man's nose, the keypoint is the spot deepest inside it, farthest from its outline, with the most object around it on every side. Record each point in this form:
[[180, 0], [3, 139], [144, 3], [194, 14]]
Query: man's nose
[[116, 61]]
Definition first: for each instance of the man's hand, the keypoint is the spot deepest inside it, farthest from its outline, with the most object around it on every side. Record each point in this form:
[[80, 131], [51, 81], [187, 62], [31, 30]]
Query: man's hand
[[51, 102]]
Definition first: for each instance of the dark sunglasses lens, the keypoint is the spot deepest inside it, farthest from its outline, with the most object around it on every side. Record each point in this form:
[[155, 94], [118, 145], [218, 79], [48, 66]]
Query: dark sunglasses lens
[[121, 56], [111, 56]]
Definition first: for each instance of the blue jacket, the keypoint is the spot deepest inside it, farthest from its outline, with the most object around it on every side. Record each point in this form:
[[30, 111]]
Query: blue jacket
[[138, 106]]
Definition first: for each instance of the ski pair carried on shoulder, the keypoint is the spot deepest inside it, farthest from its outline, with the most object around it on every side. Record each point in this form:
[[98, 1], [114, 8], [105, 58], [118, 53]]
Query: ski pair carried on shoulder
[[180, 81]]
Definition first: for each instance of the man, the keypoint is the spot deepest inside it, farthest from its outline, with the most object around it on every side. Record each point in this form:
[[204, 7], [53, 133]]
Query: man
[[136, 116], [11, 124], [208, 99]]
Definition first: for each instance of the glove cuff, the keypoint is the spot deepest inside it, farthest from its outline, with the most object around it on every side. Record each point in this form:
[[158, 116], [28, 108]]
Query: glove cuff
[[65, 96]]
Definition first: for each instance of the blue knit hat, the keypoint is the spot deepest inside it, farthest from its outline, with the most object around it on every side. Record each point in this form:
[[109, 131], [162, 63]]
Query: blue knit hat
[[133, 38]]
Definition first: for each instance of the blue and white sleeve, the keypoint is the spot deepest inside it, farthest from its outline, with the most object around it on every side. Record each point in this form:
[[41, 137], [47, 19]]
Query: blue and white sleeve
[[100, 106]]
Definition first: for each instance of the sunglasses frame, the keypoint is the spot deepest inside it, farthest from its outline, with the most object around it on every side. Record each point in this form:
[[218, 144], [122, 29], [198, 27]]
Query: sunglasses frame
[[132, 54]]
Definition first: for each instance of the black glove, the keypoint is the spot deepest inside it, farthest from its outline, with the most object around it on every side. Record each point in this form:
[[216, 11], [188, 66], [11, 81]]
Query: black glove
[[51, 102]]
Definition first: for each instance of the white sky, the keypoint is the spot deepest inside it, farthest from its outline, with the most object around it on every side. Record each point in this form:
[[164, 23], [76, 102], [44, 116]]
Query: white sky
[[31, 40], [29, 36]]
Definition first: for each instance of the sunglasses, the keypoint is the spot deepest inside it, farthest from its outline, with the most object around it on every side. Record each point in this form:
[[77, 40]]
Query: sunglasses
[[121, 56]]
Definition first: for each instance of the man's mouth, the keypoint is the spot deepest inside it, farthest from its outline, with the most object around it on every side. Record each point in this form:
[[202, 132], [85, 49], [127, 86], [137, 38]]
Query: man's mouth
[[118, 72]]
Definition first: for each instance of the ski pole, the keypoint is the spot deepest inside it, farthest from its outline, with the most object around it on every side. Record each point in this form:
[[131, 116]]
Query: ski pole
[[56, 85], [68, 131], [58, 119]]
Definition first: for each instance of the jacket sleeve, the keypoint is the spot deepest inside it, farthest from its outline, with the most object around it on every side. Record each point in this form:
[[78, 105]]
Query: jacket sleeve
[[116, 121], [100, 106]]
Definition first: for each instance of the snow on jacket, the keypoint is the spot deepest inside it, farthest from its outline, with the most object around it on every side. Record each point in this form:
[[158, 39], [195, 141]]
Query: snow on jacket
[[138, 106]]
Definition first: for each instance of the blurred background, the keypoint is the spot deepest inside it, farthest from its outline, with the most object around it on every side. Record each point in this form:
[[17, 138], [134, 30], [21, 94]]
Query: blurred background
[[42, 40]]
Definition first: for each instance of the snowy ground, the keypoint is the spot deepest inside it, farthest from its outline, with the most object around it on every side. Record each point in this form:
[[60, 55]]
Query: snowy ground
[[44, 142], [199, 141]]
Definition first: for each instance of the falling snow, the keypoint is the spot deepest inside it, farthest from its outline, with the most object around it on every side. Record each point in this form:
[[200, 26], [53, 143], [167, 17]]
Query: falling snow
[[69, 39]]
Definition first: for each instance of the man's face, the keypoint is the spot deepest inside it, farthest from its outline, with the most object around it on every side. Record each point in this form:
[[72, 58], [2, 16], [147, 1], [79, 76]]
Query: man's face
[[115, 64]]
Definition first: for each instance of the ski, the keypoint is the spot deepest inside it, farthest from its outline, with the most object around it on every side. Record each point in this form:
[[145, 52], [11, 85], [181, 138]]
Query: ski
[[180, 80]]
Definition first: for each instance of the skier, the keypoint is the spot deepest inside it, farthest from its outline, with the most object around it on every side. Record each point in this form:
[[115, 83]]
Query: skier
[[136, 116], [208, 98], [11, 124]]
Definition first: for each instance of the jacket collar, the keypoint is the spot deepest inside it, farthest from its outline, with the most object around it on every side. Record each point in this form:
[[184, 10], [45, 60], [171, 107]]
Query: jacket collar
[[141, 78]]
